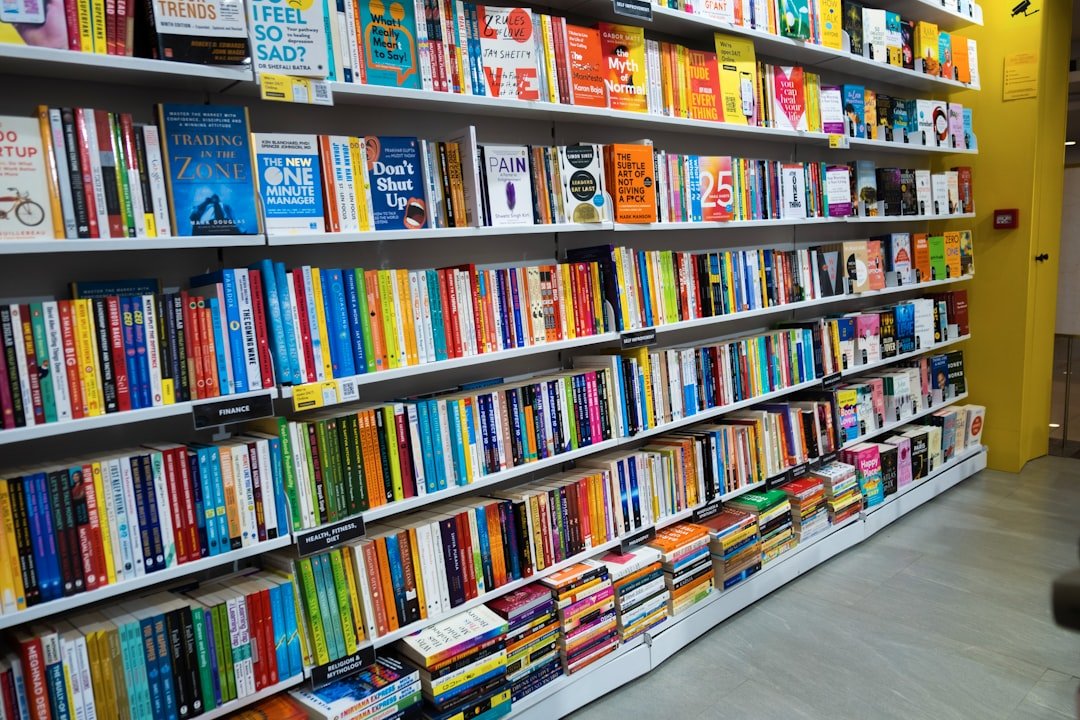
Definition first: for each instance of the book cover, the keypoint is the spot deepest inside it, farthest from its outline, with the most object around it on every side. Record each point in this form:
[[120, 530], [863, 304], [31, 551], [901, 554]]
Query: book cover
[[208, 169], [926, 47], [945, 55], [704, 86], [831, 100], [960, 59], [939, 191], [838, 190], [894, 40], [956, 126], [866, 191], [738, 77], [852, 24], [623, 48], [898, 259], [874, 35], [508, 184], [936, 245], [875, 264], [855, 266], [582, 173], [25, 208], [855, 111], [964, 189], [508, 49], [214, 34], [290, 184], [952, 255], [923, 197], [792, 191], [397, 187], [789, 98], [388, 39], [587, 71], [830, 17], [794, 17], [629, 169], [717, 194], [289, 38], [907, 41], [909, 204]]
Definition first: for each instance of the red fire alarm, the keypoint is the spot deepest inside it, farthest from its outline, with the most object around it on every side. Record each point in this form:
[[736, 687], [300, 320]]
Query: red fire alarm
[[1006, 219]]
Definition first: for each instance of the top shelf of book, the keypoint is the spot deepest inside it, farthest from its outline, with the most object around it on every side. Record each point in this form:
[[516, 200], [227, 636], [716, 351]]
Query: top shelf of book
[[945, 15]]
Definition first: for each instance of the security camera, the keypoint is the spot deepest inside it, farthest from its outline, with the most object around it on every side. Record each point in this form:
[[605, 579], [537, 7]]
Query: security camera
[[1022, 8]]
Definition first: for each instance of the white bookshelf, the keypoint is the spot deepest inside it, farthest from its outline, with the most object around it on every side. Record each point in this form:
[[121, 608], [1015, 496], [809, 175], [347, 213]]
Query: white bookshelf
[[129, 244], [463, 233], [943, 14]]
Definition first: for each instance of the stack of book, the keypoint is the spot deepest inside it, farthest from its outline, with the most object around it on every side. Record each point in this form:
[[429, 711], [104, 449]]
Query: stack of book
[[866, 459], [735, 546], [166, 654], [462, 662], [532, 641], [641, 594], [388, 688], [773, 511], [688, 574], [586, 609], [809, 515], [279, 707], [842, 496]]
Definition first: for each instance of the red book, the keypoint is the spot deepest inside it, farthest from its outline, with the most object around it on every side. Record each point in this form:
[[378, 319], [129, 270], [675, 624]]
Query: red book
[[255, 622], [371, 572], [378, 338], [110, 26], [408, 479], [556, 300], [105, 148], [187, 305], [273, 674], [562, 71], [99, 576], [82, 128], [116, 347], [197, 353], [448, 295], [7, 408], [304, 326], [34, 681], [465, 551], [176, 512], [67, 334], [262, 335], [26, 329], [71, 19], [206, 327]]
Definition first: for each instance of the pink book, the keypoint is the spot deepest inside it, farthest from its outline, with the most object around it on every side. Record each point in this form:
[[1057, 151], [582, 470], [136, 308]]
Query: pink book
[[868, 334], [903, 459], [877, 397]]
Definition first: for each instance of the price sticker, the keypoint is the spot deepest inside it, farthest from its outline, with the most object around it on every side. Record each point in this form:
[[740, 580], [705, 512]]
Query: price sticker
[[286, 88], [838, 142]]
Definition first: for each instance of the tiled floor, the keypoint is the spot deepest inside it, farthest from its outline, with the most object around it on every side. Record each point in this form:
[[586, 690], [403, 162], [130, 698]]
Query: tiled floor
[[944, 614]]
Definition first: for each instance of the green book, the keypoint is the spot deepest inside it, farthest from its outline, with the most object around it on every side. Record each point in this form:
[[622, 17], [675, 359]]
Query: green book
[[937, 256], [344, 605], [123, 183], [568, 412], [365, 320], [759, 501], [324, 587], [313, 489], [279, 426], [225, 653], [794, 19], [41, 353], [333, 442], [202, 652], [313, 612], [329, 480]]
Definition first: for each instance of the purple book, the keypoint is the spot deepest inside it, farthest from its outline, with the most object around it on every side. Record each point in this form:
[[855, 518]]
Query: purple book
[[838, 190]]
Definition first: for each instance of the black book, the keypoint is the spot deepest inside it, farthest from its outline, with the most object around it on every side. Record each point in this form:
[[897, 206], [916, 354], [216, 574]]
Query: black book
[[887, 333], [920, 455], [56, 487], [852, 25], [182, 384], [909, 203], [220, 45], [23, 543], [75, 170], [180, 679], [166, 332], [889, 190], [7, 334], [888, 468], [80, 518], [955, 364]]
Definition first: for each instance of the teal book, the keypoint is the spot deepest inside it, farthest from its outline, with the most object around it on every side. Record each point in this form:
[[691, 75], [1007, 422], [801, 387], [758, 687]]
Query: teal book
[[324, 585], [794, 19], [389, 43]]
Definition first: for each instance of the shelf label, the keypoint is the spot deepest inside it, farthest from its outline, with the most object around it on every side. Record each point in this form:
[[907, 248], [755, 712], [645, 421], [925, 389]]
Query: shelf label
[[232, 410], [779, 480], [829, 382], [826, 459], [638, 338], [346, 666], [799, 470], [315, 395], [286, 88], [638, 539], [324, 538], [637, 9], [709, 510], [838, 142]]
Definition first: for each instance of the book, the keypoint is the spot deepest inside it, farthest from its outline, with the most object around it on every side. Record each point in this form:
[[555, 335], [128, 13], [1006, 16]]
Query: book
[[397, 195], [388, 37], [28, 211], [738, 78], [587, 71], [290, 183], [789, 98], [629, 171], [794, 19], [509, 187], [623, 48], [704, 86], [288, 41], [209, 169], [216, 34], [583, 190], [509, 52], [855, 110], [831, 99]]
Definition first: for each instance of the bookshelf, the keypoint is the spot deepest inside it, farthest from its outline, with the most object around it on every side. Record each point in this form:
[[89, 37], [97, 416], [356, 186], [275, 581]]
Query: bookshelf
[[135, 83]]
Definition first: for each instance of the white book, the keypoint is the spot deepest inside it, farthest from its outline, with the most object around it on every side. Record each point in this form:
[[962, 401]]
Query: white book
[[247, 329], [20, 364], [76, 699], [874, 35], [362, 181], [153, 352], [57, 367], [131, 519], [423, 47], [288, 172], [923, 192], [366, 603], [117, 516], [96, 176], [344, 187], [444, 429], [793, 191], [303, 487], [509, 184], [316, 342], [952, 190], [67, 207], [722, 10], [939, 188], [425, 302], [155, 175], [412, 417], [82, 658], [418, 317], [244, 482], [973, 62], [163, 502], [266, 482]]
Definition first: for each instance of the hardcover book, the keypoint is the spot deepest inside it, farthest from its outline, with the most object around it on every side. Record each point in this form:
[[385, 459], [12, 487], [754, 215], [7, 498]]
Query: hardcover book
[[738, 77], [208, 169], [388, 32], [216, 34], [508, 49], [397, 185], [623, 48], [508, 184], [587, 71], [290, 183], [27, 206]]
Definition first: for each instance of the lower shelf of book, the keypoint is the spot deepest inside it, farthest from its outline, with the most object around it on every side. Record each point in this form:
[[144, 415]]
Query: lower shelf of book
[[240, 703], [632, 660]]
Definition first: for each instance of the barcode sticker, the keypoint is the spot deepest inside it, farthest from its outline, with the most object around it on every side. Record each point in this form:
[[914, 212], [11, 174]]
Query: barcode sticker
[[349, 391], [285, 88], [321, 93]]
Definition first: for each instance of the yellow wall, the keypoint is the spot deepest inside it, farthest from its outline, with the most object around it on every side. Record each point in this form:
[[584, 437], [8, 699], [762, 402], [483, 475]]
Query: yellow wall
[[1019, 165]]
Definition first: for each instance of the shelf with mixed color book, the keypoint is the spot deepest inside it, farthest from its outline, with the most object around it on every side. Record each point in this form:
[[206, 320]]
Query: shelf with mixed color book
[[935, 11], [169, 574], [890, 426], [909, 218], [906, 148], [433, 233], [858, 369], [17, 247], [29, 60], [240, 703], [125, 417]]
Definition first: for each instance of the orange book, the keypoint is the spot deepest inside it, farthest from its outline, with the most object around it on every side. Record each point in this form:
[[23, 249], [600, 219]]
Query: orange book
[[623, 48], [374, 585], [498, 560], [369, 446], [960, 58], [586, 67], [378, 341], [920, 251], [629, 172], [704, 86], [326, 162], [388, 586]]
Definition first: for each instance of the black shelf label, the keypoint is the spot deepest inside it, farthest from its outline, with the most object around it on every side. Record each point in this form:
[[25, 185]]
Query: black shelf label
[[826, 459], [799, 470], [710, 510], [343, 668], [232, 410], [637, 9], [637, 539], [328, 536], [829, 382], [779, 480], [638, 338]]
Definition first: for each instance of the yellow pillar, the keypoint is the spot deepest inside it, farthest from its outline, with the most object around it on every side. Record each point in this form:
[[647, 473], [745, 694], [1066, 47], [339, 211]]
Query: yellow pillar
[[1020, 165]]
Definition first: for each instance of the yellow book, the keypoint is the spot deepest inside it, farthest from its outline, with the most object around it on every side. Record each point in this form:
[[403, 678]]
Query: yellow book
[[354, 591], [620, 280], [103, 522], [84, 353], [412, 356], [390, 428], [463, 421], [445, 684], [738, 76], [84, 12], [763, 293], [358, 153], [568, 301], [389, 318], [641, 355], [667, 53], [926, 44], [952, 254], [549, 59], [232, 508], [12, 593], [420, 590], [97, 10], [344, 605], [832, 34], [598, 298], [320, 320], [52, 161]]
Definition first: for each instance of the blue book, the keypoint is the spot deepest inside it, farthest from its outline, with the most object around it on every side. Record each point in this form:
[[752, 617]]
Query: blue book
[[476, 61], [624, 494], [431, 478], [338, 314], [506, 517], [470, 439], [128, 336], [356, 327], [227, 278], [643, 271], [153, 667], [142, 363], [457, 447], [504, 315], [516, 304], [397, 578], [397, 185], [219, 346], [212, 654], [328, 607], [438, 332], [390, 49], [440, 452], [292, 628], [695, 188], [200, 499], [290, 183], [905, 326], [855, 110], [200, 469], [488, 574], [632, 484], [227, 543], [277, 320], [165, 670], [277, 469], [42, 539], [209, 169], [285, 303], [277, 622], [54, 678]]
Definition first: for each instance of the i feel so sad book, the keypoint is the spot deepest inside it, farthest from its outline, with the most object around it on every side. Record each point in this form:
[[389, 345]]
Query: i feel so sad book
[[209, 169]]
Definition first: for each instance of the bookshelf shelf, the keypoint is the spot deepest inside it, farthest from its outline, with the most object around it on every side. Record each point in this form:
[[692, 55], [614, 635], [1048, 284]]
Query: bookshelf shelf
[[935, 11], [64, 605], [859, 369], [17, 435], [890, 426], [241, 703], [863, 144], [733, 225], [910, 218], [122, 244], [72, 65], [429, 233]]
